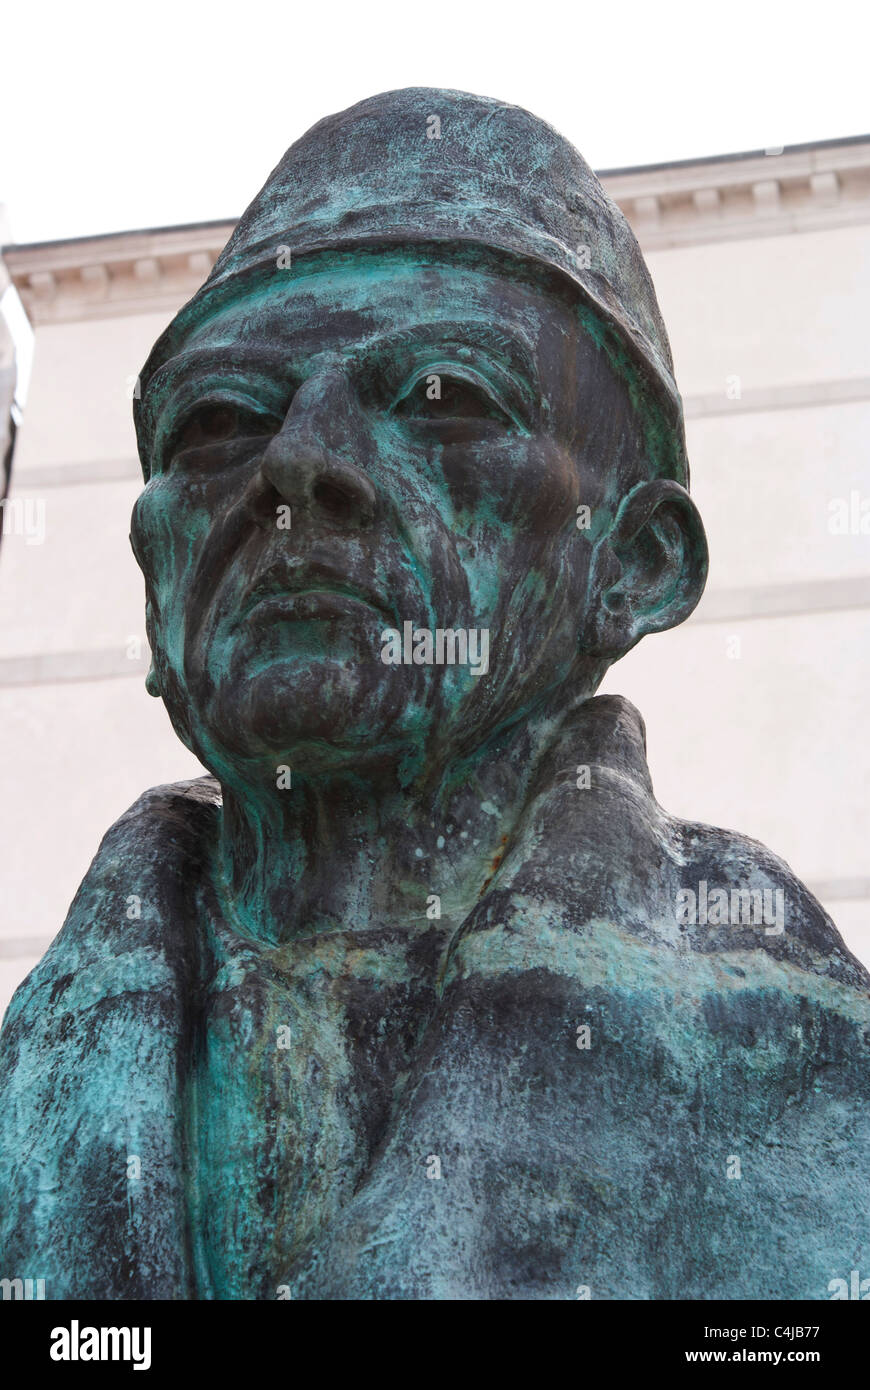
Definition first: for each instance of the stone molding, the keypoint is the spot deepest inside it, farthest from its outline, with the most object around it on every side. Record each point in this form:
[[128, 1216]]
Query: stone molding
[[802, 188], [114, 276]]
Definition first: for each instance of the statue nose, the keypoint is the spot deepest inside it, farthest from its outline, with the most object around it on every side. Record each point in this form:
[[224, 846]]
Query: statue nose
[[312, 463]]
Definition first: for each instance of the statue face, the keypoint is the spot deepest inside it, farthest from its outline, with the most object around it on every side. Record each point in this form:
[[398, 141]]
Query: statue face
[[371, 441]]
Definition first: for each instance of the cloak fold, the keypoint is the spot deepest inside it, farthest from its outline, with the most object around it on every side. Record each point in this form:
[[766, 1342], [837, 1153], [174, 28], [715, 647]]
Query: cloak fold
[[704, 1137]]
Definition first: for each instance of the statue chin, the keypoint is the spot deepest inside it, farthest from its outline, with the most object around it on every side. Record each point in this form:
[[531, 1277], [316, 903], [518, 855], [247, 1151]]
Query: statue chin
[[318, 716]]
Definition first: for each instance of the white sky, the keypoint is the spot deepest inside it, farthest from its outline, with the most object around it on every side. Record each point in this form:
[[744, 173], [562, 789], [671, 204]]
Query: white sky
[[143, 113]]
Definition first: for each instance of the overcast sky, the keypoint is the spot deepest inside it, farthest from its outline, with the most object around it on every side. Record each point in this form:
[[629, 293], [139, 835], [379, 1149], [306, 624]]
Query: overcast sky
[[140, 114]]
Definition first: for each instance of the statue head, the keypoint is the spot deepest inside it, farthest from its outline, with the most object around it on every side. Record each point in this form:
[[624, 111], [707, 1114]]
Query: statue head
[[426, 383]]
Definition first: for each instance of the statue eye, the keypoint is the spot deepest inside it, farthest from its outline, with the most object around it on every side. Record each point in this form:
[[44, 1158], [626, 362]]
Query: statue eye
[[208, 424], [213, 423], [439, 397]]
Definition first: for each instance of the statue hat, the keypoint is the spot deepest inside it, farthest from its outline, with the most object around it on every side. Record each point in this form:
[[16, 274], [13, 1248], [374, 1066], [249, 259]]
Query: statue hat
[[425, 164]]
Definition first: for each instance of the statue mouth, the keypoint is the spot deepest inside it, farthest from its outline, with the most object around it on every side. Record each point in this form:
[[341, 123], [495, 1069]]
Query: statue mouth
[[325, 604], [310, 593]]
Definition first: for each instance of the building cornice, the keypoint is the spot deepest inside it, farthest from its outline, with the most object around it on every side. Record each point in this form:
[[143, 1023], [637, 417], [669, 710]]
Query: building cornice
[[116, 275], [809, 188], [774, 193]]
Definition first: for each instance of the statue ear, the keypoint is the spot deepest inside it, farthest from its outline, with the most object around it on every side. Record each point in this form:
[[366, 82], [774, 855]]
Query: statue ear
[[152, 681], [648, 570]]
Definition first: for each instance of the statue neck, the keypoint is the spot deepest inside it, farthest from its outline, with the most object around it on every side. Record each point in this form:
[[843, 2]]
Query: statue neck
[[352, 851]]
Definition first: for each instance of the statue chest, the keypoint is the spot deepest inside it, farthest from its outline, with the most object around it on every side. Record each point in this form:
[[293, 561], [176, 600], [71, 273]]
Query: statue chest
[[300, 1056]]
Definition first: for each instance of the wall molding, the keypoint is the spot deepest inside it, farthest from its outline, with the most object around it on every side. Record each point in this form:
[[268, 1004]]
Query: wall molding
[[803, 188], [841, 890], [117, 275], [798, 599], [44, 476], [23, 947], [801, 395], [72, 667]]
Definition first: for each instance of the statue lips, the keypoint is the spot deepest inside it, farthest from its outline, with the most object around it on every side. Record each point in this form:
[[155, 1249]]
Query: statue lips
[[309, 592]]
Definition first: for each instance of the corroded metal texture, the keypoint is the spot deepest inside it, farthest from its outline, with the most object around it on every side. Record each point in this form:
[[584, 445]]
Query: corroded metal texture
[[426, 165], [420, 994]]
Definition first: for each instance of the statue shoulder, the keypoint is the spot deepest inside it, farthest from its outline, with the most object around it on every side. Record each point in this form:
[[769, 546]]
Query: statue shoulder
[[91, 1052], [177, 812], [130, 902], [595, 845], [733, 886], [164, 832]]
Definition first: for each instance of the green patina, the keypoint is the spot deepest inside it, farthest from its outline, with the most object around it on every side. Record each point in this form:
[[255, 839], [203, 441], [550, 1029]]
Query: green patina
[[242, 1086]]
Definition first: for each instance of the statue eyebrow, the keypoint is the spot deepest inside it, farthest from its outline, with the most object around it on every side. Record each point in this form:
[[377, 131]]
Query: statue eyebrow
[[222, 356], [512, 346]]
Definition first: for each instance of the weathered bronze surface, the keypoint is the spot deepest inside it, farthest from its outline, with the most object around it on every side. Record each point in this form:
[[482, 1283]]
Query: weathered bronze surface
[[421, 994]]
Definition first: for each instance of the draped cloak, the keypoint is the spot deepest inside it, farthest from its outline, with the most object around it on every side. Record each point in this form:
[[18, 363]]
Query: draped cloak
[[566, 1092]]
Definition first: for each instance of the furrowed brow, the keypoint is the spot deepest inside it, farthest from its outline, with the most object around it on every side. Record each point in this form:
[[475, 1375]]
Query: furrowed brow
[[509, 345], [225, 356]]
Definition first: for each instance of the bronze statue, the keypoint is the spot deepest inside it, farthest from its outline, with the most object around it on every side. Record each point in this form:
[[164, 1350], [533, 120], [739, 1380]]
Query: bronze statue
[[421, 994]]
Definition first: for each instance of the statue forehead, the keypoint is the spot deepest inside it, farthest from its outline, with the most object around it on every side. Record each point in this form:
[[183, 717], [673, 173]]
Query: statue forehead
[[354, 299]]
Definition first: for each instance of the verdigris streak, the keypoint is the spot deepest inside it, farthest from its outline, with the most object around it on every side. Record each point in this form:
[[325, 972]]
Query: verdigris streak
[[420, 994]]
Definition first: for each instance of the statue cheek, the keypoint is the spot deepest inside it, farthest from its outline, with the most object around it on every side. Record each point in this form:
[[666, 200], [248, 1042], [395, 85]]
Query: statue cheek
[[516, 482], [540, 492], [553, 485], [168, 525], [141, 528]]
